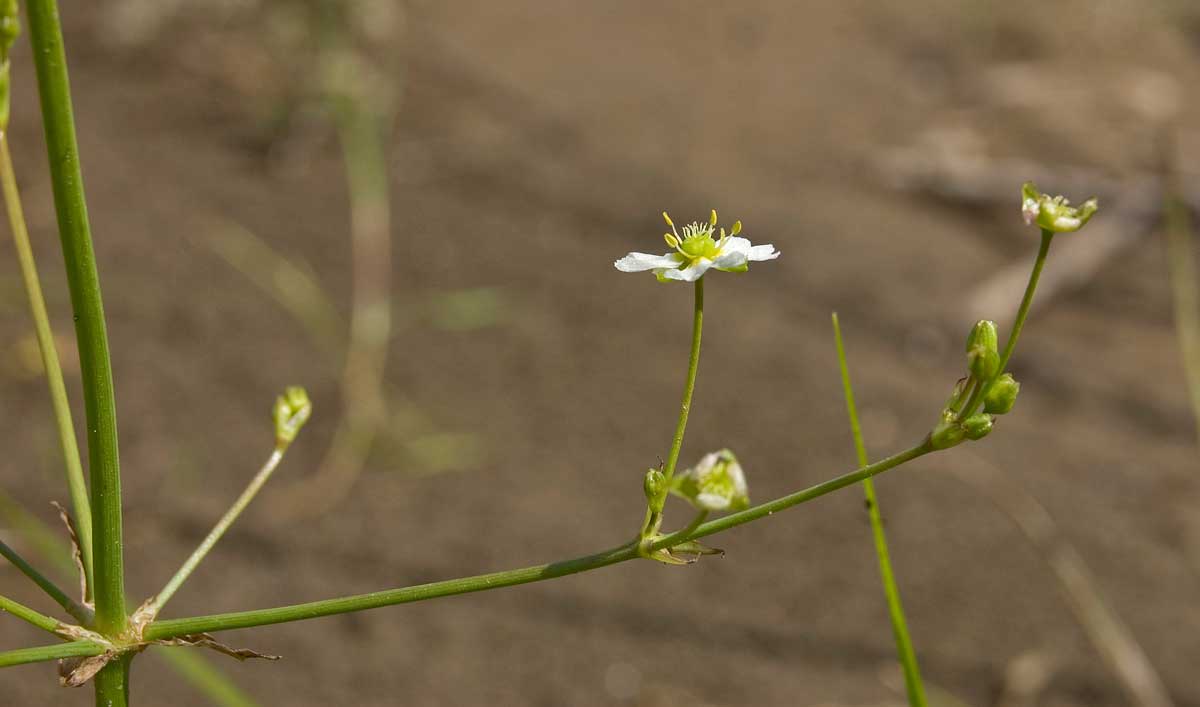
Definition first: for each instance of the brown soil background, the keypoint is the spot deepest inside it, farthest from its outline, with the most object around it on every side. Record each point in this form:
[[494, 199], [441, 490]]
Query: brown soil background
[[537, 141]]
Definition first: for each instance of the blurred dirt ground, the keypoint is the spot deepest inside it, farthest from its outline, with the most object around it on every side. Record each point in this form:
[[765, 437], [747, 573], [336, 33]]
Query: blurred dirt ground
[[536, 142]]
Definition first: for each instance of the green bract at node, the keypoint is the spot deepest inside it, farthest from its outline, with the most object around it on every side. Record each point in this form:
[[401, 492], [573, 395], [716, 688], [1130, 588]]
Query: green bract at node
[[1054, 214], [717, 483], [702, 246]]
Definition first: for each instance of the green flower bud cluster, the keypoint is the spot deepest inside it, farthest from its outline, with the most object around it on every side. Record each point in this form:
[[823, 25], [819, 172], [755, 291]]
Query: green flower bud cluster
[[290, 412], [984, 382]]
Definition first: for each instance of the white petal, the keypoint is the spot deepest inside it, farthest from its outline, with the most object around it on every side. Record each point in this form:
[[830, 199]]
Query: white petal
[[763, 252], [712, 501], [691, 273], [731, 258], [639, 262], [736, 244]]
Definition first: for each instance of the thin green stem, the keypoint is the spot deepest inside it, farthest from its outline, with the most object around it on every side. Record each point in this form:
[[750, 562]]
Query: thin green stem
[[29, 616], [151, 609], [689, 385], [180, 627], [1018, 323], [54, 376], [81, 614], [75, 649], [904, 647], [49, 55]]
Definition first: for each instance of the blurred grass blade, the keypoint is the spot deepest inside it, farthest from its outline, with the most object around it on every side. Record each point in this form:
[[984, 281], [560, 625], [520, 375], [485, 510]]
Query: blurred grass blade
[[904, 648]]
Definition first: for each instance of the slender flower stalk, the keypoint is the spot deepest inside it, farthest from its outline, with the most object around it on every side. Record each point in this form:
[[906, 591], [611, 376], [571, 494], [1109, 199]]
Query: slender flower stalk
[[54, 376], [75, 649], [904, 647], [81, 613], [1019, 323], [689, 385], [49, 56], [155, 605], [29, 616]]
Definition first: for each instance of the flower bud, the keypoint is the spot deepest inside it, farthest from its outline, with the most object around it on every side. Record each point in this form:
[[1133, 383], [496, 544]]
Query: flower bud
[[291, 411], [1002, 395], [717, 483], [653, 484], [946, 435], [983, 356], [1054, 214], [977, 426]]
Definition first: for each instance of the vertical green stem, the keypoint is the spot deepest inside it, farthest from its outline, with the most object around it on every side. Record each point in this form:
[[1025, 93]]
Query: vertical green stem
[[1185, 287], [45, 32], [54, 377], [112, 683], [904, 646], [1027, 300], [689, 385], [1018, 323]]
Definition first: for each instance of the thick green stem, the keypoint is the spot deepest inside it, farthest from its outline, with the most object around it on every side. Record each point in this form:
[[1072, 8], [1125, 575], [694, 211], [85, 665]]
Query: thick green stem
[[904, 646], [45, 33], [689, 385], [1018, 323], [54, 376], [179, 627], [82, 614], [112, 683]]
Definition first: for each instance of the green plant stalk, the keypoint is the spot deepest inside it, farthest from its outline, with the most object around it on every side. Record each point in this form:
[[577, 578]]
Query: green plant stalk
[[81, 614], [904, 646], [180, 627], [1018, 323], [49, 55], [112, 682], [174, 628], [54, 376], [75, 649], [689, 385], [29, 616], [156, 604]]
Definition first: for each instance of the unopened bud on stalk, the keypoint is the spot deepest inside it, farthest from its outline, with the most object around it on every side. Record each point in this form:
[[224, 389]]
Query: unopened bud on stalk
[[291, 411], [977, 426], [1002, 395], [983, 355], [654, 484]]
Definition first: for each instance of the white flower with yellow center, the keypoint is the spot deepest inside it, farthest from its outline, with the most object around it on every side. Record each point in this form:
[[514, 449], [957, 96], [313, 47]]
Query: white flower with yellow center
[[717, 483], [698, 249]]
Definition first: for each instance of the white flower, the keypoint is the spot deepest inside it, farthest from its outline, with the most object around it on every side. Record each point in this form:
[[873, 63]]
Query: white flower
[[1054, 214], [697, 250], [715, 484]]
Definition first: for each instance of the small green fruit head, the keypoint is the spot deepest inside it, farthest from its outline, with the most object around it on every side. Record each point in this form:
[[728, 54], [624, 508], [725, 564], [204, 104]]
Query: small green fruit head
[[977, 426], [1054, 214], [947, 434], [291, 411], [717, 483], [983, 355], [1002, 395]]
